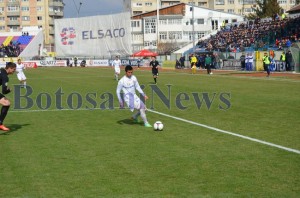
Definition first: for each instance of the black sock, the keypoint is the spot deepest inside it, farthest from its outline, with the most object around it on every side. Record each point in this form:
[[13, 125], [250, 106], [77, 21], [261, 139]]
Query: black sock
[[4, 111], [155, 80]]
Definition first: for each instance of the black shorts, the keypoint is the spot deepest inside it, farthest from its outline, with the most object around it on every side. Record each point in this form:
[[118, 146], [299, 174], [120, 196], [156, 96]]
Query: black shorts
[[2, 96], [155, 73]]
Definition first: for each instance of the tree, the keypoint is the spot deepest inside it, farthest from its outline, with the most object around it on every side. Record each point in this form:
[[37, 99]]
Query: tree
[[297, 2], [265, 8]]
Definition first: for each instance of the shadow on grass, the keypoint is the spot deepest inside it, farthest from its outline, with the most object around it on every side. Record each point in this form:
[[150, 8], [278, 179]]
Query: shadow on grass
[[129, 122], [13, 128]]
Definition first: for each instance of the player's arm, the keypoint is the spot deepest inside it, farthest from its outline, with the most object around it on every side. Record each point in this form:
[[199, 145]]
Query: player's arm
[[119, 88], [139, 89], [5, 89]]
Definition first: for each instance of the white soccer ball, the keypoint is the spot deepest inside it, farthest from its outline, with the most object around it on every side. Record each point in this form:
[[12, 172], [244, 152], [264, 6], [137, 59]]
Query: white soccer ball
[[158, 126]]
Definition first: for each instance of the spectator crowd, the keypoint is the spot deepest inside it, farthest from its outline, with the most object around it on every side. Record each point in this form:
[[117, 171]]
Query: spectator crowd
[[13, 49], [257, 34]]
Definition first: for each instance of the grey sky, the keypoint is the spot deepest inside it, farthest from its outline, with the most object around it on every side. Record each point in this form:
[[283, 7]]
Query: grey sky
[[91, 7]]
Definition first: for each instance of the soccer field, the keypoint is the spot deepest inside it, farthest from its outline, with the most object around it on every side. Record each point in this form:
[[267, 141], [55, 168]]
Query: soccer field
[[224, 136]]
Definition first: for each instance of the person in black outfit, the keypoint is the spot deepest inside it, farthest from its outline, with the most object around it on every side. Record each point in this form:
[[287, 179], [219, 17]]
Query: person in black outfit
[[288, 61], [75, 61], [182, 59], [4, 72], [243, 61], [154, 64]]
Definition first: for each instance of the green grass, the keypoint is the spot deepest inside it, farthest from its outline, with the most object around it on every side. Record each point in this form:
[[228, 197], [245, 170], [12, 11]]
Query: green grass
[[100, 153]]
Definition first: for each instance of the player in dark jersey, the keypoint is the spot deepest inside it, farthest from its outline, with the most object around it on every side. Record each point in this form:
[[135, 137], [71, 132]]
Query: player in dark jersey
[[4, 72], [154, 64]]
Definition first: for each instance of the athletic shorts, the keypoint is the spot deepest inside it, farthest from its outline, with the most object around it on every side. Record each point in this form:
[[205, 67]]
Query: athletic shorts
[[21, 76], [117, 70], [155, 73], [133, 101]]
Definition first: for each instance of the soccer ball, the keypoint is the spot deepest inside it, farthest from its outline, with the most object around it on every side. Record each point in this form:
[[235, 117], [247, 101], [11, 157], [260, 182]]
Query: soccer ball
[[158, 126]]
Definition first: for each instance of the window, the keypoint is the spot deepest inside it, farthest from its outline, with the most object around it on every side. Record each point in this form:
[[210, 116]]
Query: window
[[1, 9], [200, 21], [174, 21], [25, 9], [137, 12], [12, 8], [25, 18], [2, 18], [148, 4], [137, 5], [163, 36], [39, 8], [13, 18], [220, 2], [230, 1], [39, 18], [13, 28], [247, 2], [199, 35], [230, 10], [25, 0], [149, 43], [150, 26], [248, 10], [2, 27], [202, 4], [135, 23], [163, 21], [175, 35], [282, 1]]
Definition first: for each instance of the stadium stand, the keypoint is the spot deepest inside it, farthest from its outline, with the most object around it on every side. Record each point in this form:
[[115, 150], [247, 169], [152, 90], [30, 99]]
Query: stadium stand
[[12, 46], [254, 35]]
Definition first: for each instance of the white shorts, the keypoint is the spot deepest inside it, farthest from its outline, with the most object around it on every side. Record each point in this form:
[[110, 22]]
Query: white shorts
[[117, 70], [133, 102], [21, 76]]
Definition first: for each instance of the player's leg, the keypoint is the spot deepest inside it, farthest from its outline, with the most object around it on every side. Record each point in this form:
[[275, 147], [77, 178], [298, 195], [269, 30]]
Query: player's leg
[[141, 107], [135, 116], [23, 77], [144, 117], [117, 73], [5, 107], [268, 70], [154, 77], [207, 68], [20, 79]]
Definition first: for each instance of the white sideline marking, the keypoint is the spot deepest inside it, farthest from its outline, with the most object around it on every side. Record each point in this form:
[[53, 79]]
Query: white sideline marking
[[228, 132], [181, 119]]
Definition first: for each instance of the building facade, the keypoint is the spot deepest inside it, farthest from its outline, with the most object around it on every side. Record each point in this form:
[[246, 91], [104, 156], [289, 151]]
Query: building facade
[[178, 26], [17, 14], [241, 7]]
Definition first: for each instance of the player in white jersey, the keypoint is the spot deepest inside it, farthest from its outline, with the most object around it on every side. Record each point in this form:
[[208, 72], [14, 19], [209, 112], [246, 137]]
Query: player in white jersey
[[128, 84], [20, 73], [116, 64]]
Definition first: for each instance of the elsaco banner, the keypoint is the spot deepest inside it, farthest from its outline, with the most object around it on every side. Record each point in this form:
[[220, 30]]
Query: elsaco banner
[[105, 36]]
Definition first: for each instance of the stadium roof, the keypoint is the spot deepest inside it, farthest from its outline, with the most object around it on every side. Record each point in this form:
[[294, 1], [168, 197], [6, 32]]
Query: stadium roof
[[295, 9]]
